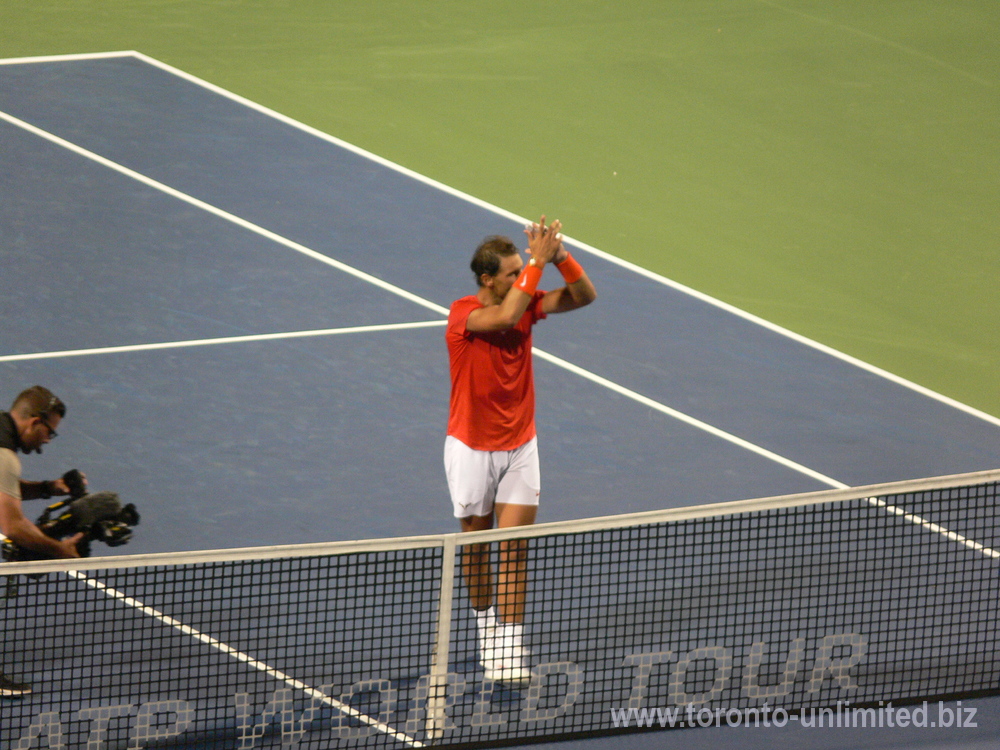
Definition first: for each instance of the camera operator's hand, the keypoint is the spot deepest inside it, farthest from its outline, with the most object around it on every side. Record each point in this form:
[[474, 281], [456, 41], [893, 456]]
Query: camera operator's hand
[[71, 483], [67, 546]]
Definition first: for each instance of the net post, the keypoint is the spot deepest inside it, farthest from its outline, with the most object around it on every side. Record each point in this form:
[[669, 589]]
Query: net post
[[438, 687]]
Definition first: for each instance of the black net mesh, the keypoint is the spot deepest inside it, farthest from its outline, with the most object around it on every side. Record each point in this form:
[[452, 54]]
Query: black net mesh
[[841, 605], [242, 654]]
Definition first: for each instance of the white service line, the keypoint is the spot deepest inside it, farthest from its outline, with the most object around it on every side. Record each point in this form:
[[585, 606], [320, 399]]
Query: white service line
[[935, 528], [786, 462], [245, 658], [215, 211], [223, 340]]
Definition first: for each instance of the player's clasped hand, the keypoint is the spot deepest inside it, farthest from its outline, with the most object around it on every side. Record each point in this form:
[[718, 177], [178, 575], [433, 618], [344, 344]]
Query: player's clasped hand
[[544, 242]]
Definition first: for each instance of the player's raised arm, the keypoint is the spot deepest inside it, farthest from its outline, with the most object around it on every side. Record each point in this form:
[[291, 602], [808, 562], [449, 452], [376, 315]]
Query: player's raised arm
[[506, 294], [579, 290]]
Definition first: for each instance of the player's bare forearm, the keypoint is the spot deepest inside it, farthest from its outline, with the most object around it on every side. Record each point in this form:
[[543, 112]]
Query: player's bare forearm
[[500, 317], [570, 297], [579, 290], [582, 291]]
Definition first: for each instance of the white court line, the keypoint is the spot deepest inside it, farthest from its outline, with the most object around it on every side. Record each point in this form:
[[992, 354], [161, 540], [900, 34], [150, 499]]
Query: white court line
[[933, 527], [430, 305], [687, 419], [245, 658], [776, 458], [447, 189], [716, 432], [880, 40], [215, 211], [644, 272], [224, 340], [66, 58], [155, 184]]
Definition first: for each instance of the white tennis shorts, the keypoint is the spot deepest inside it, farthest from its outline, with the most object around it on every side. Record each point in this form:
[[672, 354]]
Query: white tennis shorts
[[479, 479]]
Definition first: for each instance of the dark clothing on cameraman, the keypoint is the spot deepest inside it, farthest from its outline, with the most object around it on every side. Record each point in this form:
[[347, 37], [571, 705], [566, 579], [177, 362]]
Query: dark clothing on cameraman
[[10, 464], [8, 433]]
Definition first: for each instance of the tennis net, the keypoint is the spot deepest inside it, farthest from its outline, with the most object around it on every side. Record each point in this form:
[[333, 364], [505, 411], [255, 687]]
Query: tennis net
[[752, 610]]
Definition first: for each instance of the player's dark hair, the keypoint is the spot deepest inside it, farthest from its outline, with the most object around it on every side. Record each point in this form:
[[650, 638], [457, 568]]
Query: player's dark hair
[[37, 401], [486, 259]]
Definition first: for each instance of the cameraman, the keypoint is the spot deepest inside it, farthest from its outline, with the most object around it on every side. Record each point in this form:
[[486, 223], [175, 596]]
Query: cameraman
[[32, 422]]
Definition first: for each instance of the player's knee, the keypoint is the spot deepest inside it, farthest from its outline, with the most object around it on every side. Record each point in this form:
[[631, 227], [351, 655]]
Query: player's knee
[[514, 550]]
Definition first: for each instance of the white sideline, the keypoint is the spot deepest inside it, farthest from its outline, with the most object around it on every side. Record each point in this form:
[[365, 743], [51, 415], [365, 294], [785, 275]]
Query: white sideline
[[228, 650]]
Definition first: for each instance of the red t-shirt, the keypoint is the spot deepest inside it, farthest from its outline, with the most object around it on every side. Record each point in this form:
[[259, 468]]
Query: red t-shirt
[[492, 386]]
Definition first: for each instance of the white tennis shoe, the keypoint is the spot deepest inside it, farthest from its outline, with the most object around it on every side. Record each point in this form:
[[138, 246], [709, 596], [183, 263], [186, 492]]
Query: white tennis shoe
[[503, 655]]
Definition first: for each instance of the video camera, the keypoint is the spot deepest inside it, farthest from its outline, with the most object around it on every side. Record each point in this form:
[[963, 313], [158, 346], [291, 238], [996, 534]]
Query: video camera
[[99, 515]]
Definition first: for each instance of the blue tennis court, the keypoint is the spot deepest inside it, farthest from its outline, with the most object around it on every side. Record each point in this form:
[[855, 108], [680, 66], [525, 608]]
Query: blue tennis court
[[245, 318]]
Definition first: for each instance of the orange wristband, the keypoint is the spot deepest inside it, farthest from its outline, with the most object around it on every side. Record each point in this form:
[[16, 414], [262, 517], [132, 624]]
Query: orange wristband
[[571, 270], [527, 282]]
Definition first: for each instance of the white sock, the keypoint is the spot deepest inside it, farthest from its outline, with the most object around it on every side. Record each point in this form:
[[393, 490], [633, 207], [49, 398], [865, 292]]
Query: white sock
[[486, 618]]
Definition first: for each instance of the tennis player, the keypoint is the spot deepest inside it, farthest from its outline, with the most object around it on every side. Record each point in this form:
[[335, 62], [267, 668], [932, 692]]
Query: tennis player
[[491, 450]]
